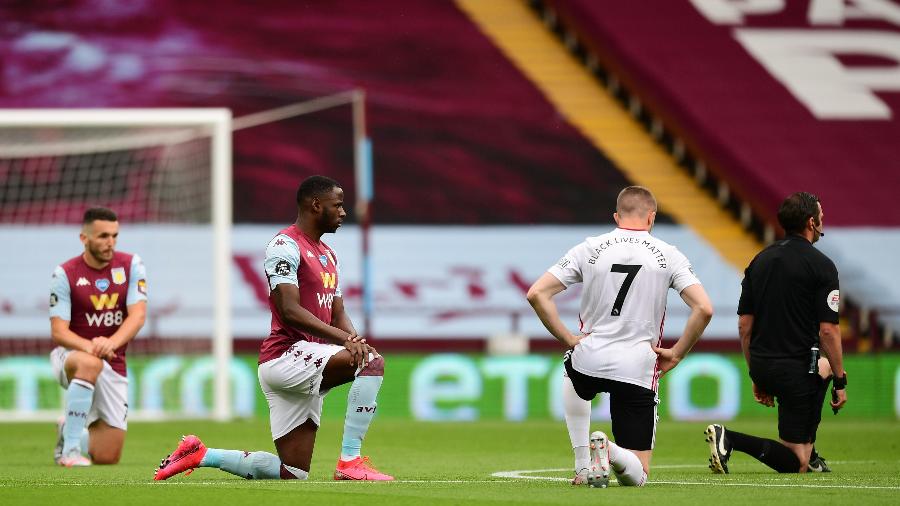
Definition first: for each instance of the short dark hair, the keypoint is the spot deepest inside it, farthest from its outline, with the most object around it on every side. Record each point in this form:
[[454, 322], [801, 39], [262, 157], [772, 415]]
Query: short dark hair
[[99, 213], [635, 199], [796, 210], [315, 186]]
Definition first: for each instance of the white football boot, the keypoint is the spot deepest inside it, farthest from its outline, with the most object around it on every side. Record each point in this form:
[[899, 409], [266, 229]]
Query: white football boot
[[598, 474]]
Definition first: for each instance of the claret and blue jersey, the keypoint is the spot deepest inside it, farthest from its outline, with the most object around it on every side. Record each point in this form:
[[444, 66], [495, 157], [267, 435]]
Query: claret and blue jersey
[[95, 301], [294, 258]]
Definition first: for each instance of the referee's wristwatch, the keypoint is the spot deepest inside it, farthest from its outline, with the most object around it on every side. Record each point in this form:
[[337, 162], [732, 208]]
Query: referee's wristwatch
[[840, 383]]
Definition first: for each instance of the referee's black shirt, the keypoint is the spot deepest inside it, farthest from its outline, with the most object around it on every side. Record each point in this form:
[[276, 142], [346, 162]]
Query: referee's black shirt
[[789, 288]]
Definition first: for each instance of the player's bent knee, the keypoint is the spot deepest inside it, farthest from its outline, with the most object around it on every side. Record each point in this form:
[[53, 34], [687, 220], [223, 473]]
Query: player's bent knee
[[106, 457], [87, 367], [373, 368]]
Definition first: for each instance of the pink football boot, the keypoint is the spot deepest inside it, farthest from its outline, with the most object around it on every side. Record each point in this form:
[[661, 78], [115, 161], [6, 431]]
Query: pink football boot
[[186, 457], [359, 469]]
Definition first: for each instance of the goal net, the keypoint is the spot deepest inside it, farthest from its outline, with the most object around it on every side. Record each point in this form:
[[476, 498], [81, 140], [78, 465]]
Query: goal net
[[167, 175]]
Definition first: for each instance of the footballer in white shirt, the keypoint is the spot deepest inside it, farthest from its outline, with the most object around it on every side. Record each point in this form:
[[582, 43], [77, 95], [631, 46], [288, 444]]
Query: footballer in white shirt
[[626, 275]]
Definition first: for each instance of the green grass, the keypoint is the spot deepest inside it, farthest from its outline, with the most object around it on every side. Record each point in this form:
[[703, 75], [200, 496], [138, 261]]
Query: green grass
[[452, 464]]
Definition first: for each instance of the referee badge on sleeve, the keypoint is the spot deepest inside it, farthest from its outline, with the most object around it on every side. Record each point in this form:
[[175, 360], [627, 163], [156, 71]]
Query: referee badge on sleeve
[[834, 300]]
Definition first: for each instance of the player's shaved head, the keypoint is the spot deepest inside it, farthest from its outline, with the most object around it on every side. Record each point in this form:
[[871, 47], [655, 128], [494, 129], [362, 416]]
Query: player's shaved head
[[635, 201], [315, 186], [99, 213]]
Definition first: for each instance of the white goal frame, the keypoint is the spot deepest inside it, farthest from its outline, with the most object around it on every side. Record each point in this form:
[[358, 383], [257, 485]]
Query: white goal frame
[[217, 124]]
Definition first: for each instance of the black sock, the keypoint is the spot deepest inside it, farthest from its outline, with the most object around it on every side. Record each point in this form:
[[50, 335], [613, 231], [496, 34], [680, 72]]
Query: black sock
[[769, 452], [820, 401]]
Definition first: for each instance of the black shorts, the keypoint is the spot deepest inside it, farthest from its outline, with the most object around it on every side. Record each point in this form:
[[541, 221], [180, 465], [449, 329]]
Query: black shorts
[[799, 395], [632, 407]]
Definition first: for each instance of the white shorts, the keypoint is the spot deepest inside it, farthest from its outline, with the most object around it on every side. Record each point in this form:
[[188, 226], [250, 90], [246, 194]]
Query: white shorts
[[110, 392], [292, 384]]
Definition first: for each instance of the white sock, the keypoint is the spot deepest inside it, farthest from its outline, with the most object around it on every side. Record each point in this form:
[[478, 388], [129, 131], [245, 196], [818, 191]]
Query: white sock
[[578, 421], [251, 465], [85, 443], [300, 474], [78, 399], [627, 466]]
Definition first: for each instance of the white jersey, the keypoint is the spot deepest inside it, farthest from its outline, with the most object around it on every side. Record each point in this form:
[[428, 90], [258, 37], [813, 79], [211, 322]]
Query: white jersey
[[626, 276]]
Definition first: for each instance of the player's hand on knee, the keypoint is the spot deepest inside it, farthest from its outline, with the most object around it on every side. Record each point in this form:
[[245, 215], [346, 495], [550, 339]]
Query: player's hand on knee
[[102, 347], [358, 351]]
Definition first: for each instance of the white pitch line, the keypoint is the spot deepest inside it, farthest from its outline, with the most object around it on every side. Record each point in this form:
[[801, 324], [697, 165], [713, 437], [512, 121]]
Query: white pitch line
[[524, 474], [221, 483], [776, 485]]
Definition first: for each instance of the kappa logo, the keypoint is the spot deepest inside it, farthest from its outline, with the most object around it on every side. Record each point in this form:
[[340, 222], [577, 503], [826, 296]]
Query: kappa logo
[[280, 242], [310, 254], [329, 279], [307, 358], [318, 363], [104, 301], [82, 282]]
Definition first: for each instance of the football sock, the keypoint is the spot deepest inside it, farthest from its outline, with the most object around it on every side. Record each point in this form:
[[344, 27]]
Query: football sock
[[361, 407], [578, 421], [79, 397], [627, 466], [85, 443], [251, 465], [820, 400], [769, 452]]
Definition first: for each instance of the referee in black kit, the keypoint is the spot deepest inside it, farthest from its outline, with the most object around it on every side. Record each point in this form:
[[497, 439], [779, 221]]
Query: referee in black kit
[[789, 311]]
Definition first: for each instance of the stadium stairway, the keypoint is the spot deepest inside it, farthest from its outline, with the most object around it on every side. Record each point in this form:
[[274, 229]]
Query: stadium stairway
[[585, 103]]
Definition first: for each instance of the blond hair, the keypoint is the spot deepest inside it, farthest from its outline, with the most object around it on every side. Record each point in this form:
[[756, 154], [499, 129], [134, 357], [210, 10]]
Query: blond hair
[[635, 201]]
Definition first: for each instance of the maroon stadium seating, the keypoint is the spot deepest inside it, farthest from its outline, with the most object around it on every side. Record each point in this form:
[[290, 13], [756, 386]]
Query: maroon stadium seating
[[460, 136], [753, 133]]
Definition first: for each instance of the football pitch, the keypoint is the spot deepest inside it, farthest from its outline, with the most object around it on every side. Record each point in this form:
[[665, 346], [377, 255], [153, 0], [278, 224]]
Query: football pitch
[[459, 463]]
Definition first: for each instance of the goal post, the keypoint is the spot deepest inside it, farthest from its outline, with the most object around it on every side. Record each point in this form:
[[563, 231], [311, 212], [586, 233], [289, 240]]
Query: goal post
[[167, 173], [159, 166]]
